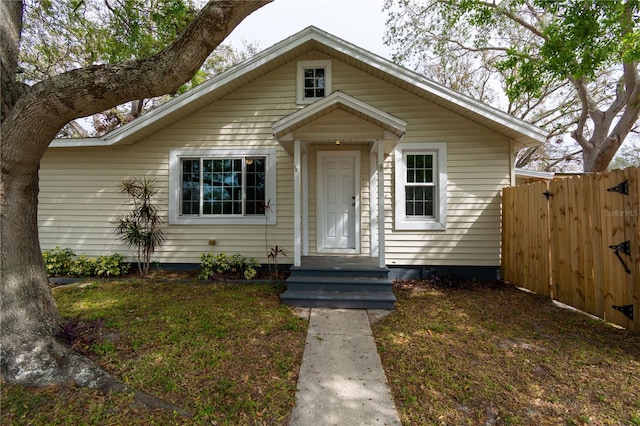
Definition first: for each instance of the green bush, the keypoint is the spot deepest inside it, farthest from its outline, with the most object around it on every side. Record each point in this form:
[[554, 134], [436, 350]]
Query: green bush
[[58, 261], [63, 262], [223, 266], [82, 266], [111, 266]]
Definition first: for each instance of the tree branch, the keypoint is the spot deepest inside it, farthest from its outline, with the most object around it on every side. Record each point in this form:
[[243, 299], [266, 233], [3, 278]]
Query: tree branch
[[508, 14], [588, 108], [10, 30], [77, 93]]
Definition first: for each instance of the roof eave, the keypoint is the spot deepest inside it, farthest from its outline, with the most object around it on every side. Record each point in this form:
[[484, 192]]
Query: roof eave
[[526, 133]]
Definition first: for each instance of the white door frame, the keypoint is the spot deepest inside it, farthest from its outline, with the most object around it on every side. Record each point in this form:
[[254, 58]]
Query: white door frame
[[320, 155]]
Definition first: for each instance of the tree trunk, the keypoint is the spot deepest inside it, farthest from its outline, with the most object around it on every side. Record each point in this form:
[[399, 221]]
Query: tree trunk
[[30, 354], [597, 160], [30, 319]]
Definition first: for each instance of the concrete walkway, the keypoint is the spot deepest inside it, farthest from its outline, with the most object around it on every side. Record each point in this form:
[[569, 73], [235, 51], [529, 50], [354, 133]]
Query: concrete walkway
[[341, 380]]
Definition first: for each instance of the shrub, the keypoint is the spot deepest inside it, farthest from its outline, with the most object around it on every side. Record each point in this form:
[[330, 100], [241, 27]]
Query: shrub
[[58, 261], [63, 262], [223, 266], [111, 266], [83, 266]]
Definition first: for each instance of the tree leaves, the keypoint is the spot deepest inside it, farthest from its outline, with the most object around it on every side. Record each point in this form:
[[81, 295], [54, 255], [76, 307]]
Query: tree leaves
[[561, 64]]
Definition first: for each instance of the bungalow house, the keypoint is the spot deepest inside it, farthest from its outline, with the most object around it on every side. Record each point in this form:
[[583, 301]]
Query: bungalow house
[[367, 168]]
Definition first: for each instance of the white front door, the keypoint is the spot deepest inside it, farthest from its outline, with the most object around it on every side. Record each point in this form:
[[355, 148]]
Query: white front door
[[338, 202]]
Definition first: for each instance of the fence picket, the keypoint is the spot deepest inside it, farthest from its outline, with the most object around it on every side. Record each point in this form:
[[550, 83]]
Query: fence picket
[[561, 247], [632, 234], [635, 244]]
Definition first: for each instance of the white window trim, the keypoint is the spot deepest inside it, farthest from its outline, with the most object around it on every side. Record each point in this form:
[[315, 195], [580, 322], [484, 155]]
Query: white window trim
[[402, 221], [174, 187], [328, 75]]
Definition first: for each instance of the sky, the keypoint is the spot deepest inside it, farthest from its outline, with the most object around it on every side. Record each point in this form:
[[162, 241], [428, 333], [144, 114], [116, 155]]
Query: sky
[[361, 22]]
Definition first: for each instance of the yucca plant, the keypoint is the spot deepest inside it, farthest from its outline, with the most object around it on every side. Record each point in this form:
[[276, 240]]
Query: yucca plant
[[141, 227]]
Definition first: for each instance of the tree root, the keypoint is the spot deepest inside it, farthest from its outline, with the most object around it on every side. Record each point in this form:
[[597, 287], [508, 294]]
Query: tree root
[[44, 361]]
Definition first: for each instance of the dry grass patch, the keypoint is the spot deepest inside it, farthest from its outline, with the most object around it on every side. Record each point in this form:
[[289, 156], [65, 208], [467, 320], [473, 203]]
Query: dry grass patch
[[230, 354], [494, 355]]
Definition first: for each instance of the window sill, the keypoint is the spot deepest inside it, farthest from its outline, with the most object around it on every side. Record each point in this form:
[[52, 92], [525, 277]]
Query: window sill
[[222, 221], [430, 225]]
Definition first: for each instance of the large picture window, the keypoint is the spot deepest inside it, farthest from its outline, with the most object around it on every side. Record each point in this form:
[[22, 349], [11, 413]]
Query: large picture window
[[421, 185], [221, 186]]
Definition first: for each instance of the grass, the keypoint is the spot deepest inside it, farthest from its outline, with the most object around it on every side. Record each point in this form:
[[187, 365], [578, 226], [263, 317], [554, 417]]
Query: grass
[[454, 355], [491, 354], [230, 354]]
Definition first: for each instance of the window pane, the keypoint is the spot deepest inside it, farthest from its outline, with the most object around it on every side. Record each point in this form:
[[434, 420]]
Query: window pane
[[429, 161], [314, 82], [255, 186], [419, 200], [190, 203], [419, 168]]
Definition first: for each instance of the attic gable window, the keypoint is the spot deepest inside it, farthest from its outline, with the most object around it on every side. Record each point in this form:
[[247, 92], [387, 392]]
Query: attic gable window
[[313, 80], [223, 187]]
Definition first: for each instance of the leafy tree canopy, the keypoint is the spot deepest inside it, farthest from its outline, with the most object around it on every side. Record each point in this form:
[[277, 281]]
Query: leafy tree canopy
[[61, 35], [580, 54]]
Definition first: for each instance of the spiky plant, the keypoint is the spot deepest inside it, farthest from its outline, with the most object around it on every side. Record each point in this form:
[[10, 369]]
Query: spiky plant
[[141, 227]]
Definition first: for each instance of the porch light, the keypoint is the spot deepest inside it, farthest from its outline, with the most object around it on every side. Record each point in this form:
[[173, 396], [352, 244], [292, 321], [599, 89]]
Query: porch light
[[338, 142]]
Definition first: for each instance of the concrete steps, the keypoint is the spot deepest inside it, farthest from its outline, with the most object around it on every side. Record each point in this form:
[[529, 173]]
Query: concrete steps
[[339, 286]]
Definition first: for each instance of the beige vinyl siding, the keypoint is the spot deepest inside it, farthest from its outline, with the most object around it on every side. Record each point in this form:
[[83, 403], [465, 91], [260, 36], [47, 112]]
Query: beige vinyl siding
[[477, 169], [79, 197]]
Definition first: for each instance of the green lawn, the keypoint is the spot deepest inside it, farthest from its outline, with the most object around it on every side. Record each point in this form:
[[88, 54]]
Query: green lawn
[[494, 355], [230, 354]]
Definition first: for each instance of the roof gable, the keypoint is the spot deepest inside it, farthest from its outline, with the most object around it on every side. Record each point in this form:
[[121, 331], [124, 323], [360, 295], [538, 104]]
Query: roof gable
[[283, 128], [312, 38]]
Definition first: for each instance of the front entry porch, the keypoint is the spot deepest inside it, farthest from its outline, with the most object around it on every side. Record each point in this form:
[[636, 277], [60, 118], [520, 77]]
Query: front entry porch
[[339, 282], [339, 145]]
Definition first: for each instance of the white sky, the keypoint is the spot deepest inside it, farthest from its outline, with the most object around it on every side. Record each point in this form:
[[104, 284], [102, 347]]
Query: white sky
[[360, 22]]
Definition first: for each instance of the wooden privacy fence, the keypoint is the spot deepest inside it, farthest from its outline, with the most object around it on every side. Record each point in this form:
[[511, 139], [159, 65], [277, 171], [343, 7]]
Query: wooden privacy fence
[[577, 240]]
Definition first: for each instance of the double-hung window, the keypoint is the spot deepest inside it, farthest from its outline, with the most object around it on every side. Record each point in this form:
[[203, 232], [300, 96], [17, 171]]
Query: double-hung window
[[421, 185], [222, 187], [313, 80]]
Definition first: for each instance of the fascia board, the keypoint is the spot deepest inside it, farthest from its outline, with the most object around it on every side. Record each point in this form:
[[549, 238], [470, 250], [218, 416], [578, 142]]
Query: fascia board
[[201, 91], [534, 174], [339, 98], [443, 92], [119, 136], [78, 143]]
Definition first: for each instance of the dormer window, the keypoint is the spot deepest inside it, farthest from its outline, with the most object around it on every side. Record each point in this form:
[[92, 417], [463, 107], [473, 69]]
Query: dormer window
[[314, 80]]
